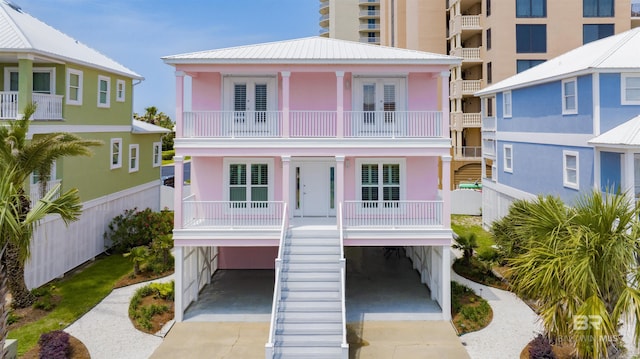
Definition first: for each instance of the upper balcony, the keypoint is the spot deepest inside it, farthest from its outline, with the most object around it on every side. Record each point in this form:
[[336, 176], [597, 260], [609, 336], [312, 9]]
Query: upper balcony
[[49, 107], [366, 14], [460, 23], [468, 55], [460, 120], [370, 39], [324, 20], [324, 6], [313, 124], [369, 2], [370, 27], [461, 88]]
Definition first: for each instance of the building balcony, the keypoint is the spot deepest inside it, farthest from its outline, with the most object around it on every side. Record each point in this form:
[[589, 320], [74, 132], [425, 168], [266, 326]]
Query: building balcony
[[467, 54], [49, 107], [370, 27], [489, 148], [324, 6], [324, 20], [461, 23], [368, 2], [370, 40], [313, 124], [369, 14], [489, 124], [459, 88], [324, 32], [468, 153]]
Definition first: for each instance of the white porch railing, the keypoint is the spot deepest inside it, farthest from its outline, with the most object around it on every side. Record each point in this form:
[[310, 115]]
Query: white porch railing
[[232, 124], [277, 288], [392, 214], [489, 124], [8, 105], [231, 214], [469, 87], [416, 124], [343, 281], [49, 107], [313, 124], [471, 120]]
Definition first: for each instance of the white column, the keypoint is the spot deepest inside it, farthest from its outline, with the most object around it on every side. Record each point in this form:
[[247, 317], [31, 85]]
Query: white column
[[459, 143], [285, 103], [179, 102], [179, 282], [286, 179], [628, 182], [340, 103], [446, 282], [446, 191], [445, 103], [339, 185], [178, 182]]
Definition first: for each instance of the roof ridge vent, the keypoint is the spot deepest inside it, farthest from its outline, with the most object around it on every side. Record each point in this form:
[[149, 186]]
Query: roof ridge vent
[[13, 5]]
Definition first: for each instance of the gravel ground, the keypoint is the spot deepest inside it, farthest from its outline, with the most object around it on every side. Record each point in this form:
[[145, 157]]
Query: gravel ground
[[107, 332]]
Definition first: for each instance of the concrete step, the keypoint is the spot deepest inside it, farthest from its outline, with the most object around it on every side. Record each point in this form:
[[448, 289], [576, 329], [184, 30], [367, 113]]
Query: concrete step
[[298, 266], [297, 295], [313, 233], [310, 317], [308, 352], [294, 250], [311, 306], [313, 286], [321, 340], [314, 241], [309, 328], [311, 258], [310, 276]]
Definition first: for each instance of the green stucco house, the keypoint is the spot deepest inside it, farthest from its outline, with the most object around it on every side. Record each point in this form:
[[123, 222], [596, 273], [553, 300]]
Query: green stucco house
[[79, 90]]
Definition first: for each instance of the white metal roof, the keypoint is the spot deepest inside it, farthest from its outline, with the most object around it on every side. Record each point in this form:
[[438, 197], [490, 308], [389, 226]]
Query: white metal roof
[[624, 135], [619, 52], [145, 127], [310, 50], [23, 33]]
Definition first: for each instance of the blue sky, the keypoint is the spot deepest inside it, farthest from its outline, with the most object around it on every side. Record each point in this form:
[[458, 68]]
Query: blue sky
[[137, 33]]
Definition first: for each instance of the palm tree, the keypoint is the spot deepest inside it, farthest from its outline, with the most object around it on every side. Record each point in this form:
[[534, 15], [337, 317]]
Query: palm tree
[[467, 244], [581, 265], [16, 225], [22, 157]]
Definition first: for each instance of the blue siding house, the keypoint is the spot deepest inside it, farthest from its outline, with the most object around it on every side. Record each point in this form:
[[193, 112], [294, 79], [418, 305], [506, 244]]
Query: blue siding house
[[564, 127]]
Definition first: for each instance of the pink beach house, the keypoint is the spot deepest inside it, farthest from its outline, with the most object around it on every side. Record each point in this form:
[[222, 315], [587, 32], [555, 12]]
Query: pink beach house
[[302, 147]]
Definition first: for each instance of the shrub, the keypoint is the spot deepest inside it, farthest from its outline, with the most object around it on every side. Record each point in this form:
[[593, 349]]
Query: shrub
[[54, 345], [475, 313], [136, 228], [13, 318], [143, 315], [44, 298], [167, 155], [540, 348]]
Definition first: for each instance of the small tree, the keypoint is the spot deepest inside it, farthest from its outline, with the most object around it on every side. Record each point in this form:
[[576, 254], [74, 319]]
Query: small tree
[[467, 244], [140, 258]]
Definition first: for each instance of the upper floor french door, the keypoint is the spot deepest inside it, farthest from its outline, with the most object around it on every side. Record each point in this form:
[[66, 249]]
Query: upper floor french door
[[377, 104], [252, 104]]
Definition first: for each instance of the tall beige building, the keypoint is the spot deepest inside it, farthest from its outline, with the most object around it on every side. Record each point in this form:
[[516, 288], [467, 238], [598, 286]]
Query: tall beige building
[[495, 42]]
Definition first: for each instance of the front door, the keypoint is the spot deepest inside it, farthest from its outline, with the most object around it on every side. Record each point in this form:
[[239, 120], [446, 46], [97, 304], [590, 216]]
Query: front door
[[314, 189]]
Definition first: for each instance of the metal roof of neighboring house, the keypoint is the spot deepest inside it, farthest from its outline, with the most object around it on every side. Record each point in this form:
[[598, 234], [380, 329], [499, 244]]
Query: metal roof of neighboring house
[[312, 50], [618, 53], [624, 135], [145, 127], [23, 33]]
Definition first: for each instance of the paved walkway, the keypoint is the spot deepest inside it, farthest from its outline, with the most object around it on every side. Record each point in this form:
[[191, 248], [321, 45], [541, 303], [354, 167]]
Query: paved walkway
[[107, 332]]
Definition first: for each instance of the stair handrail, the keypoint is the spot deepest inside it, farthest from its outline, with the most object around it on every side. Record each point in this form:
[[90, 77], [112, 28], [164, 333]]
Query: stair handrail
[[277, 288], [343, 280]]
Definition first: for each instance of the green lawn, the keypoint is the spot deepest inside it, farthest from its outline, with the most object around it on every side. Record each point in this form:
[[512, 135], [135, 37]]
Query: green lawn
[[170, 162], [80, 292], [465, 225]]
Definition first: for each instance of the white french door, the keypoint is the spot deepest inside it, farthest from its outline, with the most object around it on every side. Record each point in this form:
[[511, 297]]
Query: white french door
[[376, 104], [252, 102]]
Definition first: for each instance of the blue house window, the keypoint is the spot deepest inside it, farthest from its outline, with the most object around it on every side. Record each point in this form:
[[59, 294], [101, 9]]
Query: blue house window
[[531, 38], [523, 65], [570, 169], [569, 97], [593, 32], [597, 8], [531, 8]]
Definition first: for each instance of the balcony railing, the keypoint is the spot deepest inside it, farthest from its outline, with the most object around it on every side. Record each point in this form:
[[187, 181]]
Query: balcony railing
[[370, 40], [489, 124], [36, 192], [392, 214], [471, 120], [468, 54], [471, 152], [369, 27], [231, 214], [464, 22], [464, 87], [368, 2], [369, 13], [49, 107], [313, 124]]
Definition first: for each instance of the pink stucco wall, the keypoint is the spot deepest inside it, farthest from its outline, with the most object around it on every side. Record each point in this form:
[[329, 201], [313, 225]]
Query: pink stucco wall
[[423, 92], [206, 92], [247, 257], [422, 178], [313, 91]]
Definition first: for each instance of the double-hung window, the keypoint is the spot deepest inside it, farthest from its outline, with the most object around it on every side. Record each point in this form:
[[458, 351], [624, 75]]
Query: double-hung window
[[74, 87], [157, 154], [134, 157], [506, 104], [116, 153], [630, 89], [570, 169], [569, 96], [380, 182], [507, 164], [249, 182], [104, 93], [120, 90]]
